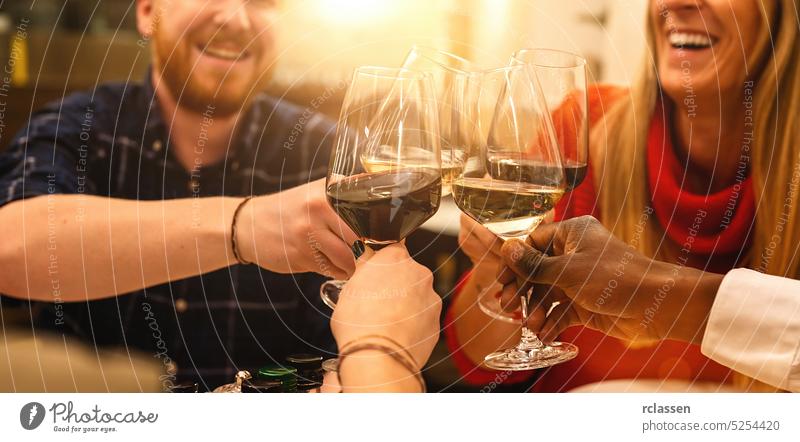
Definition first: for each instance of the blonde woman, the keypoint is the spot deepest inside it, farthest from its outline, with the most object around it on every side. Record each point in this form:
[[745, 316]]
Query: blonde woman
[[697, 165]]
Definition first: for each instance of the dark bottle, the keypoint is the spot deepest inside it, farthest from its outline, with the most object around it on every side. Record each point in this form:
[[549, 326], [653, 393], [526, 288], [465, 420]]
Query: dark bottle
[[309, 371]]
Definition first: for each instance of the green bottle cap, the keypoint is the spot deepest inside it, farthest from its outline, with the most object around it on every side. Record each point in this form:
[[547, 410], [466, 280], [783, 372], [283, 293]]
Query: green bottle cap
[[276, 371], [287, 375]]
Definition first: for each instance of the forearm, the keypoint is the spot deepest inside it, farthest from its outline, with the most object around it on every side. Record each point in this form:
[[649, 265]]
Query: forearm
[[76, 247], [478, 333], [371, 371]]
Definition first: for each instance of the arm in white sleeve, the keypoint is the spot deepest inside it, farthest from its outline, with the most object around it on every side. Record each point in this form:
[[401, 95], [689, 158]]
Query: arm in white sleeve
[[754, 327]]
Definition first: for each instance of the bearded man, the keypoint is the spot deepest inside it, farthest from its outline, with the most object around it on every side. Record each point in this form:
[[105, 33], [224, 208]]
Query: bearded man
[[183, 216]]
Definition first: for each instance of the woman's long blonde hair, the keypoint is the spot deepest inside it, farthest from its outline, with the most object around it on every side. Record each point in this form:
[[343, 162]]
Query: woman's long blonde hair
[[624, 197]]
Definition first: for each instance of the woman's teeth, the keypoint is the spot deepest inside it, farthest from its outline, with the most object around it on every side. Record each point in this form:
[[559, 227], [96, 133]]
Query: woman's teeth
[[690, 41]]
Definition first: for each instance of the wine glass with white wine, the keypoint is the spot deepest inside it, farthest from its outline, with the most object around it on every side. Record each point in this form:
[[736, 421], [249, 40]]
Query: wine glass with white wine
[[562, 77], [511, 179]]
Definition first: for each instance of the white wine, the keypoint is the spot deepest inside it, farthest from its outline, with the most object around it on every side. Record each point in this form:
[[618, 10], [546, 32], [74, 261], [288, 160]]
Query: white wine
[[449, 173], [453, 159], [508, 209], [382, 162]]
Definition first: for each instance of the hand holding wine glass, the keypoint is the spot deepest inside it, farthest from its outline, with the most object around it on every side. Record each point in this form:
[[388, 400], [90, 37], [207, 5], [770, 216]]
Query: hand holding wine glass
[[582, 257], [304, 234], [384, 178], [403, 306], [511, 179]]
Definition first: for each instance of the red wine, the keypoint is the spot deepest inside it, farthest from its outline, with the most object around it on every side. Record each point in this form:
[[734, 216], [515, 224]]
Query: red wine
[[574, 174], [517, 168], [386, 207]]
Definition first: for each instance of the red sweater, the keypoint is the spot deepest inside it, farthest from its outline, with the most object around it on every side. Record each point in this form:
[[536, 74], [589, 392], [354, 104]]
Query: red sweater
[[602, 357]]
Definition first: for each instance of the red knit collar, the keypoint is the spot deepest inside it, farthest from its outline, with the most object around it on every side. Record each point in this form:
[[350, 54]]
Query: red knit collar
[[712, 224]]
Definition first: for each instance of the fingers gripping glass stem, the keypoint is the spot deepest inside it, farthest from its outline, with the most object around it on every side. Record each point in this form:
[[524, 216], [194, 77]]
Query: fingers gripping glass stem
[[530, 353]]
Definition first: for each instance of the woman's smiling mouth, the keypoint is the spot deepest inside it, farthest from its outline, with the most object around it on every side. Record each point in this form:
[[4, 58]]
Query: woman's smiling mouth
[[690, 40]]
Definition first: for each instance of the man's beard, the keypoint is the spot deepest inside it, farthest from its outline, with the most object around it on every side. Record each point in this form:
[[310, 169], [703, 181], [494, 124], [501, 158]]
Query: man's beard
[[222, 98]]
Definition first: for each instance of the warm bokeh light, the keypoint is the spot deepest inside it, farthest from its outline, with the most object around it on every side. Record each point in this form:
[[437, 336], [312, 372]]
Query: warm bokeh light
[[325, 40], [352, 11]]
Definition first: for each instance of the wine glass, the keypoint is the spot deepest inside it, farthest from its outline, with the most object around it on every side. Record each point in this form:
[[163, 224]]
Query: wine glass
[[384, 177], [510, 182], [563, 78], [456, 89]]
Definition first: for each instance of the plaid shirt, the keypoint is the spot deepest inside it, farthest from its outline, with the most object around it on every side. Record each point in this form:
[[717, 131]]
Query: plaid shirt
[[113, 142]]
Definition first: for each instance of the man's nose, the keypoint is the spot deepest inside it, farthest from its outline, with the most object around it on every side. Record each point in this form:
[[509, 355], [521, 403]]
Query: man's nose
[[232, 14]]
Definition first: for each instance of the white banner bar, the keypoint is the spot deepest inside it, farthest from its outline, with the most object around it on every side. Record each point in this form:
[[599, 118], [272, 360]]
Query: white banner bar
[[407, 418]]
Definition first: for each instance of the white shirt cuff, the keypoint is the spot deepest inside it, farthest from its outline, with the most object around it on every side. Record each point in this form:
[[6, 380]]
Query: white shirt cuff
[[754, 327]]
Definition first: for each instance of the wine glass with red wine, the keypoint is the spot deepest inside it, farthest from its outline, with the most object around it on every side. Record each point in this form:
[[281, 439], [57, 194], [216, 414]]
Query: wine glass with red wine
[[563, 79], [511, 179], [384, 178]]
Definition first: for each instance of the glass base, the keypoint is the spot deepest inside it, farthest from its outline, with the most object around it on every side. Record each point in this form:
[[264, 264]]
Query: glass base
[[330, 290], [531, 354]]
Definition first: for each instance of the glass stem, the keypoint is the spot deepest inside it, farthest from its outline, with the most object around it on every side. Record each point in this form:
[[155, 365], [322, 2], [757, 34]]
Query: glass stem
[[528, 340]]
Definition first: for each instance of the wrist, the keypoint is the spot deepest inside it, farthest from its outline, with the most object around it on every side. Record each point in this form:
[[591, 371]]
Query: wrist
[[697, 290], [394, 341], [374, 371], [241, 231], [378, 363]]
